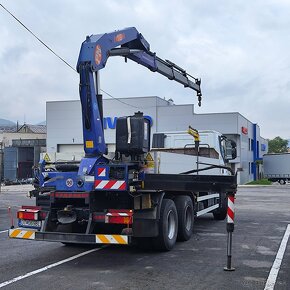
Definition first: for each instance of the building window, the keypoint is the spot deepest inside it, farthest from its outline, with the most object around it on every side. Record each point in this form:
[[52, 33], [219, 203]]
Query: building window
[[249, 168], [252, 144], [252, 167], [249, 144]]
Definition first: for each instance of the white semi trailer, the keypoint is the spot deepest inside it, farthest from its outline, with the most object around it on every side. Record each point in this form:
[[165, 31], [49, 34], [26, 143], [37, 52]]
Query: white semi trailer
[[277, 167]]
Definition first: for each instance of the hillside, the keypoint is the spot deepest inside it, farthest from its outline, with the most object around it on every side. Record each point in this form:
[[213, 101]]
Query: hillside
[[6, 123]]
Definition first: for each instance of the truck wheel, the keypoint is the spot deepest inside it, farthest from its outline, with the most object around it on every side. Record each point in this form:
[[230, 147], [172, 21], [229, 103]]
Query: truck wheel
[[184, 208], [282, 181], [168, 226], [221, 212]]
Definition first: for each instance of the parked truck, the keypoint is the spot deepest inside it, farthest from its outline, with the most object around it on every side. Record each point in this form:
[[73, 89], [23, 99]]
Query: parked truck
[[277, 167], [132, 197]]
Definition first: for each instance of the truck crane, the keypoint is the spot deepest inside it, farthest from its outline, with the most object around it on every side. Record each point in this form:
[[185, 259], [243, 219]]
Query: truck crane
[[116, 201]]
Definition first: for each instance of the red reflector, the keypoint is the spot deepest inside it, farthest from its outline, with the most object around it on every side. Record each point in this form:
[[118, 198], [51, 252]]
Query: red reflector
[[70, 195], [99, 218], [31, 207], [42, 215], [121, 211]]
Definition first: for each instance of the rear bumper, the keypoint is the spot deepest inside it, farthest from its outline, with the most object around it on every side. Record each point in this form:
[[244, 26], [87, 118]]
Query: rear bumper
[[21, 233]]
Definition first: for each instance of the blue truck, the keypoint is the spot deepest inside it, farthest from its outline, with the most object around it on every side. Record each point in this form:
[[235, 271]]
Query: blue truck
[[116, 201]]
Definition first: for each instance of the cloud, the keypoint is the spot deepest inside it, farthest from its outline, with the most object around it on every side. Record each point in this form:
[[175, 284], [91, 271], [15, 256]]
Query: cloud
[[240, 51]]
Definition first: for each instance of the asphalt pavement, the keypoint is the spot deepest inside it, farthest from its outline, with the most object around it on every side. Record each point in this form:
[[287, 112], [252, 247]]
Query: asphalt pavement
[[262, 217]]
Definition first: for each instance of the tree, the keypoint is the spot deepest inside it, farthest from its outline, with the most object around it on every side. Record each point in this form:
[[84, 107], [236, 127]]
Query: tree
[[278, 145]]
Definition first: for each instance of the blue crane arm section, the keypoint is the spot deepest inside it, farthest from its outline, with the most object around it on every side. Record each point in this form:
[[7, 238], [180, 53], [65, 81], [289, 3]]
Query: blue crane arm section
[[94, 53]]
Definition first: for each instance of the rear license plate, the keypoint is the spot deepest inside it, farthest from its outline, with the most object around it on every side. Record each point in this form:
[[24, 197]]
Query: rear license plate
[[29, 224]]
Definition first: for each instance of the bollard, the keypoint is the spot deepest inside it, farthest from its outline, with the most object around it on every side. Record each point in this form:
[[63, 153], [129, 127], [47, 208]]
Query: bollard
[[11, 217], [230, 229]]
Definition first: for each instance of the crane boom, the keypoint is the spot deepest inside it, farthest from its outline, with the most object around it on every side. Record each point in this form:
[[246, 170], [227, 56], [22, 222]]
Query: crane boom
[[96, 50], [94, 53]]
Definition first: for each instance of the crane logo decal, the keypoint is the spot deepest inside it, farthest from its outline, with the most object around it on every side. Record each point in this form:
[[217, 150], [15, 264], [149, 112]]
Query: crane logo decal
[[119, 37], [69, 182], [98, 54]]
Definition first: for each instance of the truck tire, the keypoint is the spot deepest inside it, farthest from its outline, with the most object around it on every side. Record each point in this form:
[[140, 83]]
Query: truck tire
[[221, 212], [184, 208], [168, 226], [282, 181]]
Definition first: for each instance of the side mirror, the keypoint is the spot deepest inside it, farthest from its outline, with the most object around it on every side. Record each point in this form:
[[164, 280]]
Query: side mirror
[[231, 150]]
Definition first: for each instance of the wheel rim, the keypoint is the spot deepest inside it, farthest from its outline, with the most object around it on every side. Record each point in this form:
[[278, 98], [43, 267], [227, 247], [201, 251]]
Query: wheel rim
[[188, 218], [171, 224]]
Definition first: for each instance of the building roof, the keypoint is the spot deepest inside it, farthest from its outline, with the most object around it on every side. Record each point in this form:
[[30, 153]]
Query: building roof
[[37, 129], [26, 128]]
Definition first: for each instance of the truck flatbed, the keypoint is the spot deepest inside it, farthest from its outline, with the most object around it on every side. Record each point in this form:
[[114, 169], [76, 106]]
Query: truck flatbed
[[185, 182]]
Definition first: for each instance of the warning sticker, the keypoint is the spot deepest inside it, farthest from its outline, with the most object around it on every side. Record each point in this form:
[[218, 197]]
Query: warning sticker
[[149, 157], [101, 171], [90, 144], [46, 157], [149, 163]]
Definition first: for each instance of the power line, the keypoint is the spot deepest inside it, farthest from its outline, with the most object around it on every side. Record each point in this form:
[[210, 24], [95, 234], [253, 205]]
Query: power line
[[119, 100], [57, 55], [37, 38]]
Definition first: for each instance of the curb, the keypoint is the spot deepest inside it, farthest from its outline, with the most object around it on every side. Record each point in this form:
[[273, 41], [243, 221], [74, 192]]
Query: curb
[[261, 185]]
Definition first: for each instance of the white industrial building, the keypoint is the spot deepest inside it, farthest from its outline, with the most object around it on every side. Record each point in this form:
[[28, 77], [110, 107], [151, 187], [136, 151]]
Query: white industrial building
[[64, 127]]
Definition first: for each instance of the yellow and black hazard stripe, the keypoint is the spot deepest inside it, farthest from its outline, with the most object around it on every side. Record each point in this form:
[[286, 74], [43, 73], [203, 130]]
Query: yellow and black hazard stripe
[[22, 234], [112, 239]]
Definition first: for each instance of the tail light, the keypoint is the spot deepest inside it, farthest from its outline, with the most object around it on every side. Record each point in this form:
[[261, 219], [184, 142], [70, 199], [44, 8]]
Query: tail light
[[28, 214]]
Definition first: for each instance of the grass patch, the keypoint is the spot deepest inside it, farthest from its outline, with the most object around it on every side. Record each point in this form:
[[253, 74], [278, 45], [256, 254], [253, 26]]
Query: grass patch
[[260, 182]]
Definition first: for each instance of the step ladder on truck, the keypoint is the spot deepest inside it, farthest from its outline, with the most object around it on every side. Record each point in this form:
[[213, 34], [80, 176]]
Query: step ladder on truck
[[123, 200]]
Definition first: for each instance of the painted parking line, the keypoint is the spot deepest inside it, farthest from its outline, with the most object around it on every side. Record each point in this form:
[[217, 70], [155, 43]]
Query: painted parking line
[[49, 267], [270, 284], [1, 232]]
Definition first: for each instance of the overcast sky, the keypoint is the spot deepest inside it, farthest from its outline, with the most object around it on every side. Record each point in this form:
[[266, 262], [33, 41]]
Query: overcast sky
[[240, 50]]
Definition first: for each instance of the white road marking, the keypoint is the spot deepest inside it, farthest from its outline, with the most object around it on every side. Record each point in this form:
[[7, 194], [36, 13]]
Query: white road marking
[[48, 267], [270, 284], [1, 232]]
